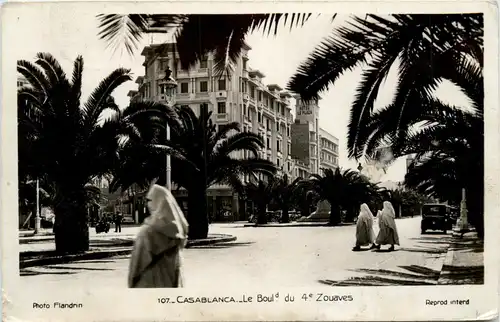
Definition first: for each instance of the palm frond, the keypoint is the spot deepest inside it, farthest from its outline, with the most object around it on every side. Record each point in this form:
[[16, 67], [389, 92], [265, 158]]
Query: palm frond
[[99, 99]]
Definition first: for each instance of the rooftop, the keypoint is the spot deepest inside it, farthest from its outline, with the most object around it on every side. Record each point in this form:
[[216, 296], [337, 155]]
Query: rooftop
[[256, 72]]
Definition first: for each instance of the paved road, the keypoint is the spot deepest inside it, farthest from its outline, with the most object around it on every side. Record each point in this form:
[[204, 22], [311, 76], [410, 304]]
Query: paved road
[[286, 257]]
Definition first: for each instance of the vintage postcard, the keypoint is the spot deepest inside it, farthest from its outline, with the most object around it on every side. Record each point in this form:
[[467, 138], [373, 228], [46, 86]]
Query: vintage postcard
[[249, 161]]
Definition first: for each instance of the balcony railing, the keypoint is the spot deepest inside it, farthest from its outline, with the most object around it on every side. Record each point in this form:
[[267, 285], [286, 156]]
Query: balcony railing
[[222, 117]]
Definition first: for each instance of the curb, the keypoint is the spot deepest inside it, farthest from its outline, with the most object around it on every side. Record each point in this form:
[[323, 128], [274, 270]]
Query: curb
[[125, 249], [63, 259], [448, 276], [310, 224], [210, 241]]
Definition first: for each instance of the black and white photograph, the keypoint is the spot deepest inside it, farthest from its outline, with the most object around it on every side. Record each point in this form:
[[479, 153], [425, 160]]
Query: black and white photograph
[[232, 164]]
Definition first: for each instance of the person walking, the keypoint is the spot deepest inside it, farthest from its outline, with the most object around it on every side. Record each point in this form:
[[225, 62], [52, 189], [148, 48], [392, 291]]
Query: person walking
[[364, 228], [156, 260], [388, 234], [118, 222]]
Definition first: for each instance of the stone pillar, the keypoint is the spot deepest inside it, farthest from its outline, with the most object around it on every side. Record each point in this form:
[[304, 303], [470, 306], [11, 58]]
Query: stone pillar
[[464, 224]]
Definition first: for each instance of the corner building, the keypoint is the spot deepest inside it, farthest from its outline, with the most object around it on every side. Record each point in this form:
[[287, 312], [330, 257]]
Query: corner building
[[242, 97]]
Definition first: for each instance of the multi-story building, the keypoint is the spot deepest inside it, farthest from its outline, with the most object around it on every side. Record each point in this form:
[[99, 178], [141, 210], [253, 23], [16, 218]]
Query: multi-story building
[[239, 97], [313, 148]]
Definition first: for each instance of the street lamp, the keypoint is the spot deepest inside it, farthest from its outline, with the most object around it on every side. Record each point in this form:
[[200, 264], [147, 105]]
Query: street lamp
[[170, 87]]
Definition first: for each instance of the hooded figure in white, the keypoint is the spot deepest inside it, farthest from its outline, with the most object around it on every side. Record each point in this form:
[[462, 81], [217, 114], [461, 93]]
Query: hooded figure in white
[[364, 227], [156, 260], [388, 234]]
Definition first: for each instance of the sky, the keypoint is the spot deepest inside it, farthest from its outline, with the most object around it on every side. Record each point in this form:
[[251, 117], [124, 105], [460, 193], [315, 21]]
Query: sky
[[73, 33]]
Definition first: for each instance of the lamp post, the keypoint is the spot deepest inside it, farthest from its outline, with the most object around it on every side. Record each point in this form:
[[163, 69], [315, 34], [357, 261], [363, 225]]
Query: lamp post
[[170, 88], [37, 217]]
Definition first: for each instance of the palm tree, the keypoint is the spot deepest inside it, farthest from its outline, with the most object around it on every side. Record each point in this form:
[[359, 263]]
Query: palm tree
[[305, 196], [210, 156], [284, 197], [344, 190], [66, 143], [261, 194], [222, 34], [426, 46]]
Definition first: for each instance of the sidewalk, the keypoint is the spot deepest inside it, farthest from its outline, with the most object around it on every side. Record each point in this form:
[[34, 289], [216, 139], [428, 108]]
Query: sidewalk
[[464, 262], [40, 249]]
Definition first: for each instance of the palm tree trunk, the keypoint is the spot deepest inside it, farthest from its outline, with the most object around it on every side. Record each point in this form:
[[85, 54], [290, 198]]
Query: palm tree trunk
[[71, 228], [197, 213], [285, 217], [261, 214], [334, 215]]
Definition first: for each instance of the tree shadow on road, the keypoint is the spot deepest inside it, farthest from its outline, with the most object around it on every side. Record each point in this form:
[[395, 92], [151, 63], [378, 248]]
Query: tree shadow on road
[[28, 272], [412, 275], [222, 245]]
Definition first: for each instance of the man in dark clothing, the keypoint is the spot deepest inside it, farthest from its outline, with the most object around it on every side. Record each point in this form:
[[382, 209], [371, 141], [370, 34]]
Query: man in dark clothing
[[118, 222]]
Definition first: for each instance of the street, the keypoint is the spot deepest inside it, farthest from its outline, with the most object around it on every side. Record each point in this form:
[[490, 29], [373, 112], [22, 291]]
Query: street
[[276, 256]]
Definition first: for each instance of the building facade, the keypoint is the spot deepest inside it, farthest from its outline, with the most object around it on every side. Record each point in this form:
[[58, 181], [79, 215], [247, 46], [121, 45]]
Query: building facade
[[239, 97], [313, 148]]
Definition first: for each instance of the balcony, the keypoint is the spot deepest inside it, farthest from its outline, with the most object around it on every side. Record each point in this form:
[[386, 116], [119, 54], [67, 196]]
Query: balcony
[[202, 94], [222, 117], [246, 97], [221, 95]]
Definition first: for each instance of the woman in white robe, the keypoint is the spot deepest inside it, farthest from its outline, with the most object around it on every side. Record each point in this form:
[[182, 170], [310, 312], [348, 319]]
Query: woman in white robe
[[156, 260], [388, 234], [364, 228]]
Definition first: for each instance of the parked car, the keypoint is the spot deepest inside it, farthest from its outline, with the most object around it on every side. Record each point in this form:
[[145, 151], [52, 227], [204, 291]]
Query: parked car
[[436, 217]]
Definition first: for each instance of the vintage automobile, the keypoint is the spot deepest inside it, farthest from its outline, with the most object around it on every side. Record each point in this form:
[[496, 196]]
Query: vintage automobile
[[436, 217]]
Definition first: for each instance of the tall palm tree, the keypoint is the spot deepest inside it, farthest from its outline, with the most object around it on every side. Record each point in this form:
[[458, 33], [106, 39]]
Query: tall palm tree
[[422, 46], [284, 195], [204, 154], [195, 35], [67, 143]]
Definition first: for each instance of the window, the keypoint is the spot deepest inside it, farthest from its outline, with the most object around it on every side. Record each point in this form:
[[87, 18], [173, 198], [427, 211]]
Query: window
[[259, 117], [203, 86], [278, 145], [222, 85], [282, 110], [204, 63], [162, 89], [288, 131], [184, 88], [277, 127], [268, 143], [268, 124], [289, 147], [278, 162], [260, 96], [244, 64], [244, 110], [289, 166], [221, 107]]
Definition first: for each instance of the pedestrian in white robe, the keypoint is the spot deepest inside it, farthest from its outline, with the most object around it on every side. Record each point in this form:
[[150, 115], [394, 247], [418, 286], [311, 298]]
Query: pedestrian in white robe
[[156, 260], [388, 234], [364, 228]]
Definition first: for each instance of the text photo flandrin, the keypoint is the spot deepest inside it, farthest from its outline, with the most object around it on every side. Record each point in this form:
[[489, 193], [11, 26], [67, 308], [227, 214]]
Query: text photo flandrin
[[356, 160]]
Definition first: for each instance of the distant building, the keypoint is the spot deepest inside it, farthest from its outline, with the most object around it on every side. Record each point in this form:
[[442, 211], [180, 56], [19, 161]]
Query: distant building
[[313, 148], [21, 81], [409, 160]]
